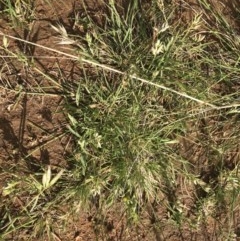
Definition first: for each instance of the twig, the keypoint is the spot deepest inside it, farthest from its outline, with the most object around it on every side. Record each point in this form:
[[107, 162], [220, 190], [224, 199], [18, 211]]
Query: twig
[[111, 69], [55, 236]]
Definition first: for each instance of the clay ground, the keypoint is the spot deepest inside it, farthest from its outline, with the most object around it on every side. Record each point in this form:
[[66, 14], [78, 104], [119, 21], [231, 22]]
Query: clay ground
[[32, 133]]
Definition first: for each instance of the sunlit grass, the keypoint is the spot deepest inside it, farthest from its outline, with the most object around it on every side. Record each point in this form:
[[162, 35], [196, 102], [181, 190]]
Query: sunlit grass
[[153, 119]]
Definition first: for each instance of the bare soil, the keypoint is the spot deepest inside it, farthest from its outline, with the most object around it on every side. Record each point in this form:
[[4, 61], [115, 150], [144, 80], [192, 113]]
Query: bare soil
[[29, 125]]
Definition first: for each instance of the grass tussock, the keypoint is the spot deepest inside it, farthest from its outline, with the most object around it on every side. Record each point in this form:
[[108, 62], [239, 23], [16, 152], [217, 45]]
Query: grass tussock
[[153, 117]]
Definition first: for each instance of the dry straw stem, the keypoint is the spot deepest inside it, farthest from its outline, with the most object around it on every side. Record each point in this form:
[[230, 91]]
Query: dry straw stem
[[109, 68], [30, 92]]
